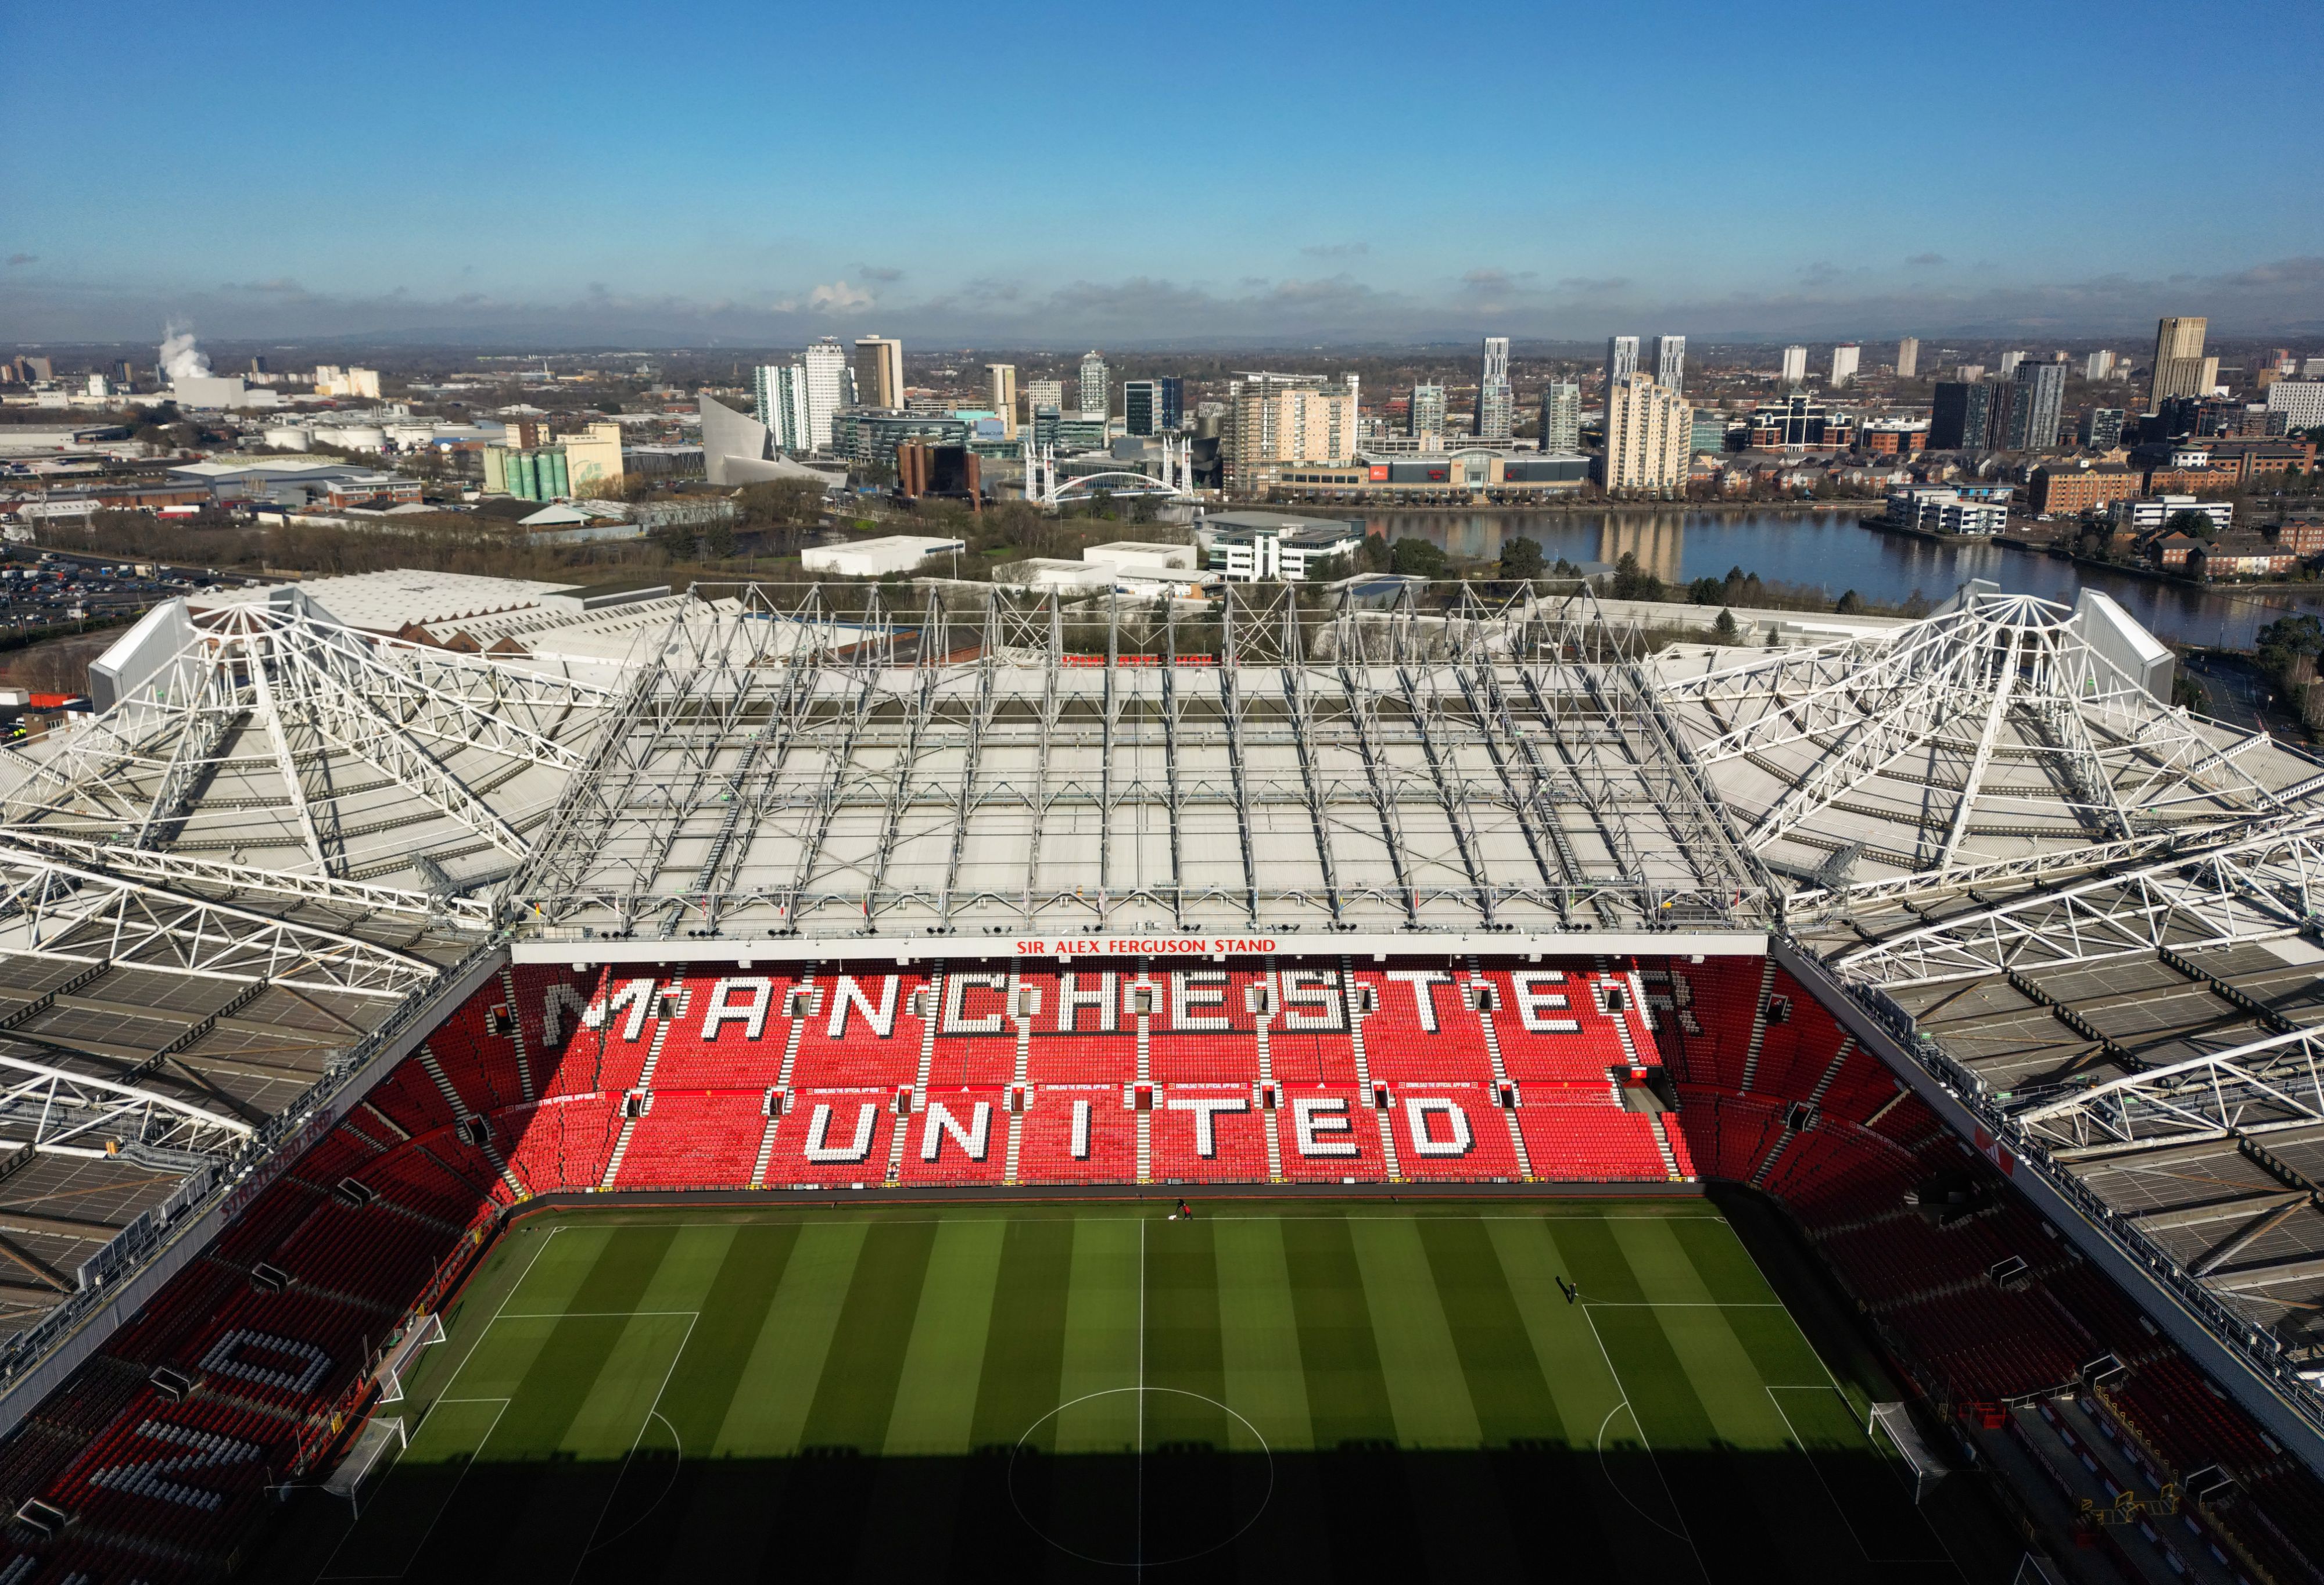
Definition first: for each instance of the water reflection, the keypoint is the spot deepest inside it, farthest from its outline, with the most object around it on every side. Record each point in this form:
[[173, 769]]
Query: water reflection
[[1832, 552]]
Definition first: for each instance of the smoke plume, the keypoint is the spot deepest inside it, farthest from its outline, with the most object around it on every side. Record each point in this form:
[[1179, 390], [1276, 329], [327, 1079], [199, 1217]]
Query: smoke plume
[[180, 358]]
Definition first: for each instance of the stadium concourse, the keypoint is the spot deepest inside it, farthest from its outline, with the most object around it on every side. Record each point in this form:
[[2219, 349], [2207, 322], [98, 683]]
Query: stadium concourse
[[332, 948]]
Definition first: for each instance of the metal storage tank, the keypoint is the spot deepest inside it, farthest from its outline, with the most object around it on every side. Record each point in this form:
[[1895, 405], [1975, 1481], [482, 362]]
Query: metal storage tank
[[289, 438]]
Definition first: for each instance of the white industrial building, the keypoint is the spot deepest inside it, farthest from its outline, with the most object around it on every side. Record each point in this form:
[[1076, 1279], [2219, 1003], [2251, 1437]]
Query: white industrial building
[[878, 558]]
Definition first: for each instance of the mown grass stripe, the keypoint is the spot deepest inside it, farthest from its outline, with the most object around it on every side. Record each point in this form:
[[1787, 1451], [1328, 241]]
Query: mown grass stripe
[[777, 1387], [1024, 1354], [1427, 1392], [943, 1364], [1102, 1340], [1259, 1337]]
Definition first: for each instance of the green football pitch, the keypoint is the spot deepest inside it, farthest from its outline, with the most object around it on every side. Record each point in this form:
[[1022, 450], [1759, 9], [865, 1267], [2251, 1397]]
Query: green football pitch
[[1271, 1391]]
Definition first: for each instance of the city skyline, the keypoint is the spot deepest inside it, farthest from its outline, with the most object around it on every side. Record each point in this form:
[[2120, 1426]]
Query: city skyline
[[680, 233]]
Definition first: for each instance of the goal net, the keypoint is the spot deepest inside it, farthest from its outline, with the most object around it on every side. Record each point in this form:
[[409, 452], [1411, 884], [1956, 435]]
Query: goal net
[[1918, 1456]]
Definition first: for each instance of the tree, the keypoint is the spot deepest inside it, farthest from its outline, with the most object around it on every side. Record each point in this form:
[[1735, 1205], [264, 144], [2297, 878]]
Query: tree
[[1850, 603], [2197, 523], [1521, 559], [1725, 627], [1706, 592], [1633, 581], [1416, 558]]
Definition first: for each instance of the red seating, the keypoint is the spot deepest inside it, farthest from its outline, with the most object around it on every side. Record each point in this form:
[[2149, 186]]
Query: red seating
[[1062, 1143], [1422, 1027], [1329, 1134], [864, 1030], [961, 1135], [1452, 1132], [695, 1139], [1206, 1030], [834, 1136], [1208, 1133], [732, 1036], [1598, 1143]]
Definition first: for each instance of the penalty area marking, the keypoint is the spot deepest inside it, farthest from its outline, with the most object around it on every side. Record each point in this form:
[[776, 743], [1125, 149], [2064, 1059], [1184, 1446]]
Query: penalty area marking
[[1838, 1507]]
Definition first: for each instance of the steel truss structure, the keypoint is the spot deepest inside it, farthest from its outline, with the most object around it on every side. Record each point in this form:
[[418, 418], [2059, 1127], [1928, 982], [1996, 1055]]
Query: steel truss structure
[[990, 765]]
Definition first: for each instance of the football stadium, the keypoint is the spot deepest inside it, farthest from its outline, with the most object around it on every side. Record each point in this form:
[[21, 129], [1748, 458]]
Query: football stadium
[[881, 1083]]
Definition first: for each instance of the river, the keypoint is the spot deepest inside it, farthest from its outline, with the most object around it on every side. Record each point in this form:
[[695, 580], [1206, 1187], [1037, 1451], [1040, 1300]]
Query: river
[[1831, 551]]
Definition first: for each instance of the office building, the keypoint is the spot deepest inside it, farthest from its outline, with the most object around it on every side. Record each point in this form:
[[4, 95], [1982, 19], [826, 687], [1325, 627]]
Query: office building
[[1968, 373], [878, 372], [782, 403], [1094, 392], [2099, 365], [1621, 358], [2178, 361], [1960, 415], [1045, 393], [1142, 407], [1708, 432], [1795, 365], [829, 388], [2301, 402], [1002, 379], [2101, 429], [1288, 418], [2207, 377], [2066, 488], [1261, 547], [1649, 432], [2037, 400], [1425, 419], [1669, 362], [1908, 358], [1560, 417], [1844, 358], [1496, 403], [2009, 362], [1800, 422]]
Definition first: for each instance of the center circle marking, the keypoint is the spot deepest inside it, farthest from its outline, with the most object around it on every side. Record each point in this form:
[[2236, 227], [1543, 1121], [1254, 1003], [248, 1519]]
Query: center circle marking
[[1142, 1561]]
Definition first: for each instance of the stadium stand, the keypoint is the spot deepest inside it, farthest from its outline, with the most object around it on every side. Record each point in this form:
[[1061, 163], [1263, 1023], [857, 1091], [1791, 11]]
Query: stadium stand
[[255, 1360]]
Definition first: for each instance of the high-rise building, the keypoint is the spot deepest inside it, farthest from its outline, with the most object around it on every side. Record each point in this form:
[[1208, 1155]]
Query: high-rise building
[[1669, 362], [1094, 387], [2101, 429], [1960, 415], [1560, 417], [1288, 418], [828, 382], [1968, 373], [1142, 407], [2099, 365], [1426, 416], [2009, 362], [1844, 358], [1649, 436], [1496, 403], [1795, 365], [878, 372], [1048, 393], [2178, 361], [1908, 358], [1002, 378], [1621, 358], [2207, 377], [2037, 398], [781, 404], [1173, 401]]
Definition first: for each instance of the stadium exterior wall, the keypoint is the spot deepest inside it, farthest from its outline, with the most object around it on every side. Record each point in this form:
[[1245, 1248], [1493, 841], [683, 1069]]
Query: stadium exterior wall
[[199, 1228], [2161, 1300]]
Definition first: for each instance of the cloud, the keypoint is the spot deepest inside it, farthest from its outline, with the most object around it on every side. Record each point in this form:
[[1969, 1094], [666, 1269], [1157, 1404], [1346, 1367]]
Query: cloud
[[880, 273], [1925, 260], [1593, 285], [1337, 250], [839, 296], [281, 286], [1822, 272], [16, 259]]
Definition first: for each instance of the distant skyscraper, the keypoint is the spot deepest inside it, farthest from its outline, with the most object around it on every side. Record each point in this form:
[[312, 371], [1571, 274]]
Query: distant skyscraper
[[2009, 362], [1669, 362], [2178, 361], [2101, 429], [1843, 363], [1048, 394], [1142, 407], [1649, 436], [1960, 415], [1968, 373], [1426, 416], [878, 372], [825, 364], [1908, 357], [1094, 386], [783, 405], [1496, 403], [1173, 401], [1621, 358], [1003, 378], [2037, 397], [2099, 365], [1561, 416], [1795, 365]]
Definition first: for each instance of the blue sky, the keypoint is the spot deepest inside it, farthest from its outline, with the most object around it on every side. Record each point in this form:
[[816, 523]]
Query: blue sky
[[1049, 174]]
